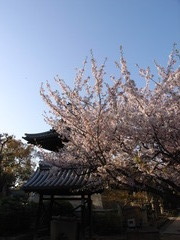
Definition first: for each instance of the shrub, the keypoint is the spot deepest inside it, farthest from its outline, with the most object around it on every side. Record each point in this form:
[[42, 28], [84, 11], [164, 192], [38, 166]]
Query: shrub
[[62, 208], [15, 215], [107, 223]]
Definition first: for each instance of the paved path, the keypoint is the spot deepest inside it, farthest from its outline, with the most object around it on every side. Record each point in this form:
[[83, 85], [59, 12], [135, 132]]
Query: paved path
[[172, 230]]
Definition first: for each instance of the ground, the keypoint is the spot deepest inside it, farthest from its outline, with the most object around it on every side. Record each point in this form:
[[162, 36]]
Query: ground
[[170, 231]]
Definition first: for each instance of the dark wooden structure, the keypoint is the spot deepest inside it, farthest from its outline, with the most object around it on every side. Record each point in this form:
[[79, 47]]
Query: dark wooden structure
[[49, 140], [54, 183]]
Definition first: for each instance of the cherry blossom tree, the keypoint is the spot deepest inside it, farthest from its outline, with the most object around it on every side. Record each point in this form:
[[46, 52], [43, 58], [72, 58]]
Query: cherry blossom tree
[[129, 135]]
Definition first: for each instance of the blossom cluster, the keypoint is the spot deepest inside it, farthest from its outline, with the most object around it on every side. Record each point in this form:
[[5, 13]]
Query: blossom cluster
[[129, 135]]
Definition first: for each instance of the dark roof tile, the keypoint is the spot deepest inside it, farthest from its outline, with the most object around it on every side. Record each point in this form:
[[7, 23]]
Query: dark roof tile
[[68, 181]]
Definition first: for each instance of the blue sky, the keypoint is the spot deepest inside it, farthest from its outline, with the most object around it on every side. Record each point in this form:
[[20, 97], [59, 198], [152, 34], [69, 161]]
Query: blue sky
[[42, 38]]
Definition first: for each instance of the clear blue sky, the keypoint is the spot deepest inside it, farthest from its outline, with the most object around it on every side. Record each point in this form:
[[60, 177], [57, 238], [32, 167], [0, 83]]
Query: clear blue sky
[[42, 38]]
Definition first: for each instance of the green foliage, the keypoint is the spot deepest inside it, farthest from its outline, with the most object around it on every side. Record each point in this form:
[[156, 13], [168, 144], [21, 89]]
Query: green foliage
[[15, 162], [16, 215], [62, 208], [107, 223], [111, 198]]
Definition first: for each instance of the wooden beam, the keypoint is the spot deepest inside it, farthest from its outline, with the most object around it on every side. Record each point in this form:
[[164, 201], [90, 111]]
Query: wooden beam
[[90, 216]]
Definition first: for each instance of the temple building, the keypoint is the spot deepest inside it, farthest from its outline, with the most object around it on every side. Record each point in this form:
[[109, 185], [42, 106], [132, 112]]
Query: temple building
[[54, 183]]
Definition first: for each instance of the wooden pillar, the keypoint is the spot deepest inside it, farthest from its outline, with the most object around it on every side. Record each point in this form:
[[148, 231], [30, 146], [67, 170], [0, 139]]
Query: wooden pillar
[[82, 217], [90, 215], [50, 209], [51, 206], [39, 212]]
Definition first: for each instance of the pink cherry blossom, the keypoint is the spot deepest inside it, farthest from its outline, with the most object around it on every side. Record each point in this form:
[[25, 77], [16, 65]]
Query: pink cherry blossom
[[129, 135]]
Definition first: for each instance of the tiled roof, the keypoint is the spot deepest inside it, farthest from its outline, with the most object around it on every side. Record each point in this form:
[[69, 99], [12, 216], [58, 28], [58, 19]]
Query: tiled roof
[[49, 179], [49, 140]]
